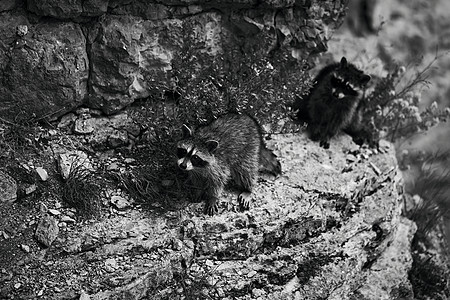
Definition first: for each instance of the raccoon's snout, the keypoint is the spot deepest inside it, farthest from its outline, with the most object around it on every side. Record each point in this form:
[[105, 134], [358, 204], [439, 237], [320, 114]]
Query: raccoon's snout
[[183, 165]]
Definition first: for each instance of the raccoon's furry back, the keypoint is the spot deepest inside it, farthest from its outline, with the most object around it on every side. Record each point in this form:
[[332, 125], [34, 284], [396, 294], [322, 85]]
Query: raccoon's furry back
[[241, 141], [237, 135]]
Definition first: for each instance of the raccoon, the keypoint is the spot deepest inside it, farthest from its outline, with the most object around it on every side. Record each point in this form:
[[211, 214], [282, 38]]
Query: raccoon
[[229, 148], [333, 100]]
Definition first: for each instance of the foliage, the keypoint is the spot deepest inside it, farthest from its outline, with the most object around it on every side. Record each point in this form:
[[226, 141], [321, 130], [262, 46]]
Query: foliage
[[432, 184], [17, 139], [430, 210], [158, 187], [242, 78], [428, 279], [82, 190], [393, 109]]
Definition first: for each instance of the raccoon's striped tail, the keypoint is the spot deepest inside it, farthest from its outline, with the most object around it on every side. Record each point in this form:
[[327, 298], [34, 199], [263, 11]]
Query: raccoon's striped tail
[[268, 162]]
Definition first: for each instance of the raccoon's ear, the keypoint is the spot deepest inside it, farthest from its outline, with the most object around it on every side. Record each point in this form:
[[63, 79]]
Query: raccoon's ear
[[343, 62], [212, 145], [365, 79], [187, 132]]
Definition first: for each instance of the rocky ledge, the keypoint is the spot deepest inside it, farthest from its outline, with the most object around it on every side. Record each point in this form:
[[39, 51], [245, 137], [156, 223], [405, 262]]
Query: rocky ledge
[[329, 228]]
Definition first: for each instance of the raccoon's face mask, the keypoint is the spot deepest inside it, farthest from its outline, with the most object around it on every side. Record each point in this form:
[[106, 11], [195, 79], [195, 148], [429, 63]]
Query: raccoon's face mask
[[347, 80], [191, 157], [350, 76]]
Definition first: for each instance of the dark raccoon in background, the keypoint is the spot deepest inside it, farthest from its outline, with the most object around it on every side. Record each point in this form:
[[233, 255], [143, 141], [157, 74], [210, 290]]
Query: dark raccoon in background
[[333, 103], [230, 147]]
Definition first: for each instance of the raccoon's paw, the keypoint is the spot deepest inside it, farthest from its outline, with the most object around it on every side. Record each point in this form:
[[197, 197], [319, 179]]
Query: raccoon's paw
[[324, 144], [245, 198], [314, 136], [211, 207]]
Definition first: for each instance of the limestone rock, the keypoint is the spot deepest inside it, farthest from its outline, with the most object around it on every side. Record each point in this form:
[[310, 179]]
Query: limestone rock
[[54, 212], [312, 233], [25, 248], [47, 230], [43, 175], [29, 189], [120, 202], [67, 219], [8, 5], [127, 50], [8, 188], [150, 40], [68, 9], [84, 296], [83, 126], [71, 161], [111, 265], [389, 273], [45, 73], [122, 69], [67, 120], [108, 132]]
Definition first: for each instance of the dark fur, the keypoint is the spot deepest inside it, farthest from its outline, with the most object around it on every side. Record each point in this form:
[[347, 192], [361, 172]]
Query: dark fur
[[238, 155], [360, 130], [333, 101]]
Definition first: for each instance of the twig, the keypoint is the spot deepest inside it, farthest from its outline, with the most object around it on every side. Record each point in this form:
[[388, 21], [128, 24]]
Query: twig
[[10, 123]]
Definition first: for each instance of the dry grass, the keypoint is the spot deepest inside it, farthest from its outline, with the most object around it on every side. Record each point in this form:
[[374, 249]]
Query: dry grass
[[81, 190], [432, 184], [156, 183]]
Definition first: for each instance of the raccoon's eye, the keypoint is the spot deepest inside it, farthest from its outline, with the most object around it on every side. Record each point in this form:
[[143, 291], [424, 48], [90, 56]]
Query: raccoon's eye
[[197, 161], [181, 152]]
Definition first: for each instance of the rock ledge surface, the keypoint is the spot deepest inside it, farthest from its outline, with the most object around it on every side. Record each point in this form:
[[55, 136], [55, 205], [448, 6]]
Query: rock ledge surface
[[330, 227]]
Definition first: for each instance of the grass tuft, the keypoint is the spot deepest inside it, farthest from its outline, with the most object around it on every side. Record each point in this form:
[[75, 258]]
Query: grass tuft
[[432, 184], [81, 190], [430, 270]]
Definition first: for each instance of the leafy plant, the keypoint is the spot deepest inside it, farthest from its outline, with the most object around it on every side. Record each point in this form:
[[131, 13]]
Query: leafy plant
[[430, 209], [159, 189], [431, 183], [393, 108], [240, 79], [17, 139], [428, 279]]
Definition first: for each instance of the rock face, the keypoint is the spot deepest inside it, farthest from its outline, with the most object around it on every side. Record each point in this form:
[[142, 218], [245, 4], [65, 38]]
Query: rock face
[[44, 67], [330, 227], [69, 163], [55, 55], [47, 230], [8, 188]]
